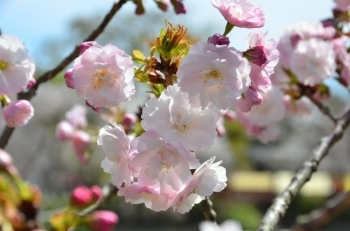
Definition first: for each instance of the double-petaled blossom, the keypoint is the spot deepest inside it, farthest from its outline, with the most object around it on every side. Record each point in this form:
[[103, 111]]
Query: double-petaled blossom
[[177, 120], [103, 75], [241, 13], [313, 61], [208, 178], [260, 120], [116, 145], [220, 77], [18, 113], [259, 74], [342, 5], [16, 66]]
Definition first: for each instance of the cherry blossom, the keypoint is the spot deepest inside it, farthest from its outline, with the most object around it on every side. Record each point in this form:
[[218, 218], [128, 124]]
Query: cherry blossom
[[177, 120], [208, 178], [219, 78], [18, 113], [241, 13], [313, 61], [103, 75], [16, 66], [116, 145], [342, 5]]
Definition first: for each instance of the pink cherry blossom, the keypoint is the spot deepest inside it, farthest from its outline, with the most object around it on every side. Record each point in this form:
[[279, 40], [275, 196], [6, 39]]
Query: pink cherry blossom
[[103, 75], [81, 143], [208, 178], [76, 116], [177, 120], [241, 13], [302, 30], [64, 131], [342, 5], [116, 145], [161, 164], [313, 61], [220, 77], [250, 98], [137, 193], [18, 113], [16, 66], [68, 76]]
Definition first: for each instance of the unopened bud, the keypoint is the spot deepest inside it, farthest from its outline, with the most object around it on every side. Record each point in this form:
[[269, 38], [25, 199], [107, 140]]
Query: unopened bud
[[102, 220], [68, 76], [18, 113], [218, 39], [81, 197], [255, 55], [86, 45]]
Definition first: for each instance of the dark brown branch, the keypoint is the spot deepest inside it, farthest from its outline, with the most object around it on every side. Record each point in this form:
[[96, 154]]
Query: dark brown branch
[[281, 203], [322, 216], [7, 132], [207, 209]]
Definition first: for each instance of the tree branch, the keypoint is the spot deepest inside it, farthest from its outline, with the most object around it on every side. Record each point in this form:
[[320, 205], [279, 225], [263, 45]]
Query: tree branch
[[207, 209], [320, 217], [323, 108], [281, 203], [7, 132]]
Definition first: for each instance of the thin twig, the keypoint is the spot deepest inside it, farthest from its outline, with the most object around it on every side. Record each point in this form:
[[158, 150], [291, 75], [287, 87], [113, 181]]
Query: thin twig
[[322, 216], [207, 209], [7, 132], [281, 203], [323, 108]]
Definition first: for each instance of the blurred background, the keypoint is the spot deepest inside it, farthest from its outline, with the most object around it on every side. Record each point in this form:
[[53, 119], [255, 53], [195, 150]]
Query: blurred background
[[257, 172]]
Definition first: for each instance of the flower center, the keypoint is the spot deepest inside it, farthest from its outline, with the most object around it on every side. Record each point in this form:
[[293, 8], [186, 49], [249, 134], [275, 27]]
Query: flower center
[[215, 74], [3, 65], [103, 77]]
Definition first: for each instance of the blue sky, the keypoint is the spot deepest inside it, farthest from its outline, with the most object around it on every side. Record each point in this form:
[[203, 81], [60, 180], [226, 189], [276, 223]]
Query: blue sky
[[33, 21]]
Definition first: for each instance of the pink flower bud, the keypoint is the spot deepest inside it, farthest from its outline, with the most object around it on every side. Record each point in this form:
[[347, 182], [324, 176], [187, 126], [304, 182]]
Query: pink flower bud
[[102, 220], [179, 7], [218, 39], [163, 5], [18, 113], [31, 82], [68, 76], [81, 197], [6, 163], [86, 45], [256, 55], [81, 143], [96, 192], [129, 119], [64, 131]]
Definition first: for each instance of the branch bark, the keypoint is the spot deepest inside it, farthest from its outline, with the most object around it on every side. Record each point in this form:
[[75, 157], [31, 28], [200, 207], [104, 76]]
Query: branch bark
[[207, 209], [320, 217], [7, 132], [281, 203]]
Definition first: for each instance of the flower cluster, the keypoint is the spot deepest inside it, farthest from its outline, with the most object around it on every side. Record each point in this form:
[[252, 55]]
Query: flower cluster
[[71, 130], [16, 75]]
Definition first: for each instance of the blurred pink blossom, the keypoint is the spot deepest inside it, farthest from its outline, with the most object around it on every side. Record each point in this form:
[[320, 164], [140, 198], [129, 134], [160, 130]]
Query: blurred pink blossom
[[18, 113]]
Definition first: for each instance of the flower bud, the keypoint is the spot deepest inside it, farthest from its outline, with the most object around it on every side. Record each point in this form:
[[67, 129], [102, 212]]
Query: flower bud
[[163, 5], [256, 55], [86, 45], [102, 220], [129, 119], [179, 7], [218, 39], [81, 143], [6, 163], [96, 193], [31, 82], [18, 113], [68, 76], [64, 131], [81, 197]]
